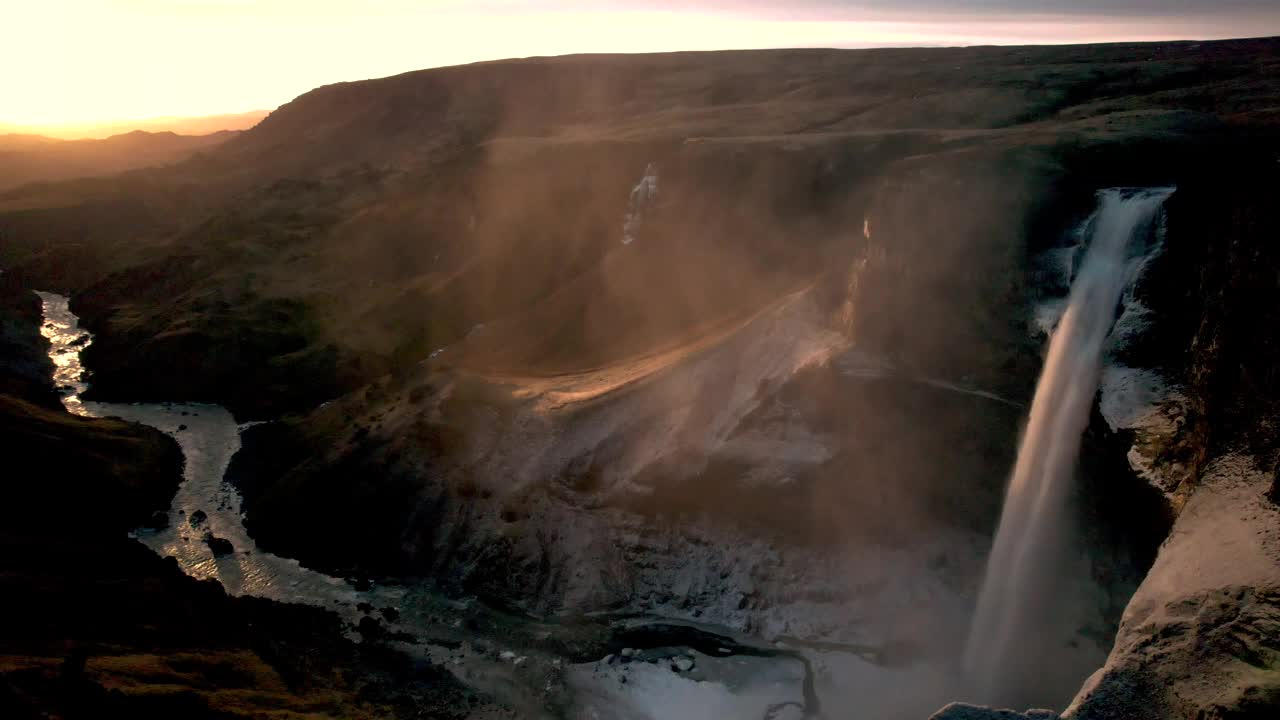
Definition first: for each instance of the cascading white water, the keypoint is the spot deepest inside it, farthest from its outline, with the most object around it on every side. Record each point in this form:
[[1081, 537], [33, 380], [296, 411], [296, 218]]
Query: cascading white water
[[1010, 639]]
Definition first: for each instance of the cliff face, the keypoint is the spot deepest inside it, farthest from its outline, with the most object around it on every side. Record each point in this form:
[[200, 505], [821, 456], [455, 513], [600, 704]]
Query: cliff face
[[365, 225], [1199, 638], [794, 390], [27, 369], [845, 447], [97, 625], [105, 473]]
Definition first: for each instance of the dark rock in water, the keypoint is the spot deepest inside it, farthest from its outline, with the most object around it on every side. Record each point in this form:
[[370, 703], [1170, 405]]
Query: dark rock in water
[[964, 711], [182, 427], [365, 608], [198, 517], [391, 614], [159, 520], [219, 546], [370, 629], [73, 666]]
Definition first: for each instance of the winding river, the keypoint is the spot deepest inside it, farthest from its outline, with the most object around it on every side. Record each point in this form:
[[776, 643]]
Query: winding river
[[204, 503], [741, 680]]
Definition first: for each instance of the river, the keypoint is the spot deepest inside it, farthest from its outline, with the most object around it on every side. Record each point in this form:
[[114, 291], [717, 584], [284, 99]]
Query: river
[[735, 679]]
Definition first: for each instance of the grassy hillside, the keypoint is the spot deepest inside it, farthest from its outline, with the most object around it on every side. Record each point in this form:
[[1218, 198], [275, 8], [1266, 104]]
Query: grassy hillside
[[366, 225]]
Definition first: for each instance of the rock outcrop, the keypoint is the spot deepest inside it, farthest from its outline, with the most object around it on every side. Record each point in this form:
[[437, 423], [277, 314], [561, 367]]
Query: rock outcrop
[[1201, 637]]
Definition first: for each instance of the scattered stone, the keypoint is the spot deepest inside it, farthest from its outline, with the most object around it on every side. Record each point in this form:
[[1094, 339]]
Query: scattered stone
[[506, 655], [198, 517], [181, 428], [364, 607], [628, 652], [683, 664], [608, 659], [390, 614]]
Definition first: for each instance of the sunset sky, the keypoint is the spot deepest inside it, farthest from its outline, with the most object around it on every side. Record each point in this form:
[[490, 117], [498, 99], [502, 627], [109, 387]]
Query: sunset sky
[[86, 62]]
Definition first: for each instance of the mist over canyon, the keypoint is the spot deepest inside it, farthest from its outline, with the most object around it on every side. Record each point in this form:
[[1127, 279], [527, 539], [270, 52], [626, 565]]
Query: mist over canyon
[[896, 383]]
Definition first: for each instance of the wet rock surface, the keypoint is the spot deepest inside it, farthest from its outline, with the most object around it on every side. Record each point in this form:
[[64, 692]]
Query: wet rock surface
[[1197, 637]]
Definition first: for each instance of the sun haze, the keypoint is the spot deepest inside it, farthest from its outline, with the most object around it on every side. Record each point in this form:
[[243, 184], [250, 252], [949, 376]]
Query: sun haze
[[74, 65]]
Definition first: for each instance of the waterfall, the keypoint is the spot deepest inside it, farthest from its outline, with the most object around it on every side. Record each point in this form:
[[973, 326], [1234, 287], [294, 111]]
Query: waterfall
[[1011, 638], [642, 196]]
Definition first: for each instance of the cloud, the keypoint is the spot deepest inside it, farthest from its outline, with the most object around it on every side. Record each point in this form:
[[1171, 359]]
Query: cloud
[[845, 9], [1103, 8], [914, 9]]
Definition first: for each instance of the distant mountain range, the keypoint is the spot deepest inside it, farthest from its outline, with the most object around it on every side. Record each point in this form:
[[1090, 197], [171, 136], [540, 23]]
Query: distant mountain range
[[203, 125], [35, 158]]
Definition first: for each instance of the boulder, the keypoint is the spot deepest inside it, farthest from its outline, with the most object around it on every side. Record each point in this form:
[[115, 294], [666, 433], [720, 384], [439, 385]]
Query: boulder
[[370, 629], [219, 546]]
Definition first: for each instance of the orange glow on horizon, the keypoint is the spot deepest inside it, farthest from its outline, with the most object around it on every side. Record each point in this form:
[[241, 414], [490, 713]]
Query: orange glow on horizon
[[73, 65]]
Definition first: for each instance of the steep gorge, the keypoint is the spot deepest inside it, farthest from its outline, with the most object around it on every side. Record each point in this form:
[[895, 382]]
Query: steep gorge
[[787, 407]]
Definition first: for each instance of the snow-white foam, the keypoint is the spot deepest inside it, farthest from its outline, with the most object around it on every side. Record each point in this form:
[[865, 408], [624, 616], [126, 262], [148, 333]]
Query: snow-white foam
[[1015, 640], [642, 196]]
